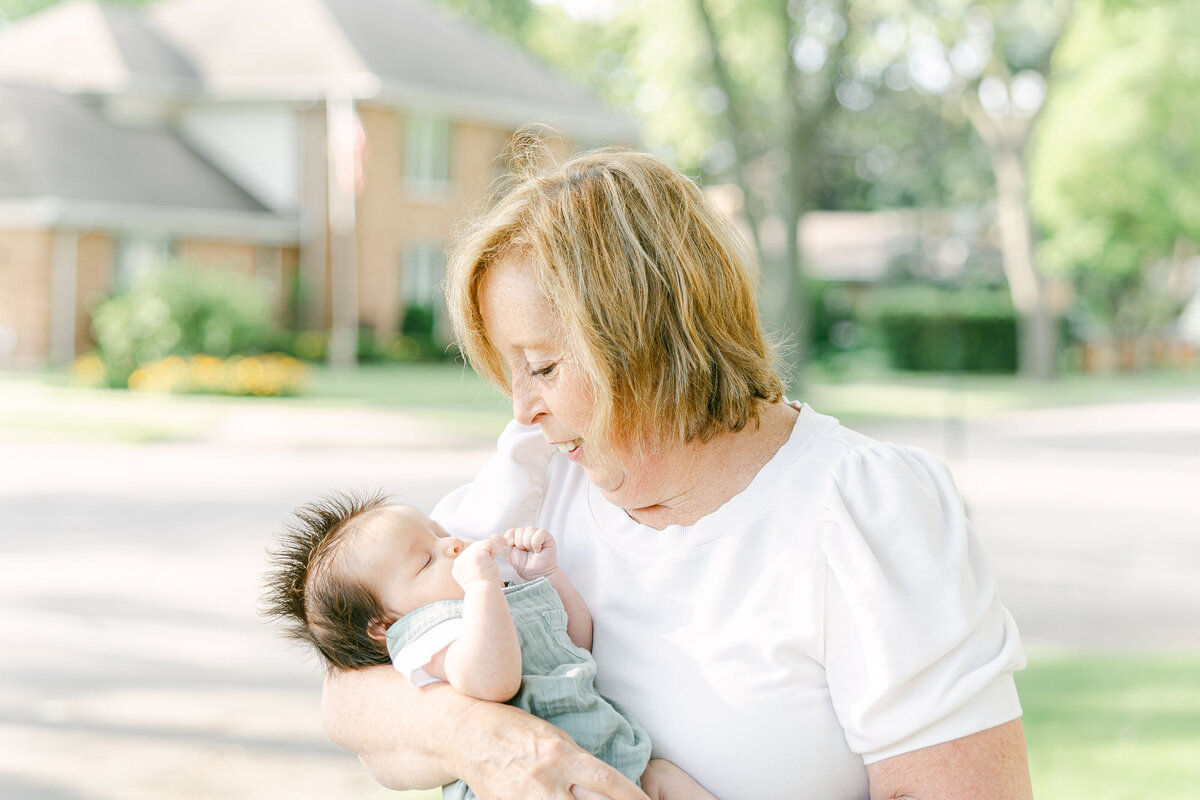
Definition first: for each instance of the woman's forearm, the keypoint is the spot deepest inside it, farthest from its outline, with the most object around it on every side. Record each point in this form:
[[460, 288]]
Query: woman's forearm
[[404, 736], [420, 738], [579, 618]]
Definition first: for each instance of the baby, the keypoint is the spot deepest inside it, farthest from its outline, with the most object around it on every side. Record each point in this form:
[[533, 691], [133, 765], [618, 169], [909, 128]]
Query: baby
[[368, 582]]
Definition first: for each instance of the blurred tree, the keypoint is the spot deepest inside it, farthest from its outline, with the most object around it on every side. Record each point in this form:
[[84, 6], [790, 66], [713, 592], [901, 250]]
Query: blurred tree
[[777, 79], [989, 60], [738, 89], [792, 72], [804, 104], [1115, 161]]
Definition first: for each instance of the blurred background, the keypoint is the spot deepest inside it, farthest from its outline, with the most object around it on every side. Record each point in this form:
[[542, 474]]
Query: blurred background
[[222, 234]]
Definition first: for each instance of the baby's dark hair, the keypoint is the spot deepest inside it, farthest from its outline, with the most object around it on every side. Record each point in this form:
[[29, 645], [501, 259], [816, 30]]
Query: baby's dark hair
[[311, 597]]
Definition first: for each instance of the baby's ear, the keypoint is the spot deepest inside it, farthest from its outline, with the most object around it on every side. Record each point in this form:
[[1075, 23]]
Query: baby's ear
[[377, 630]]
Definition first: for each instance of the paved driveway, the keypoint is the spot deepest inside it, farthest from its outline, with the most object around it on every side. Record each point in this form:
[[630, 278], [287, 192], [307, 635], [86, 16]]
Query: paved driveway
[[133, 666]]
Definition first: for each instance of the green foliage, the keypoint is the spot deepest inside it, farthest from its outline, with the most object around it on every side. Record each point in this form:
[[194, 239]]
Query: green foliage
[[834, 328], [418, 340], [420, 330], [1113, 158], [181, 312], [927, 328]]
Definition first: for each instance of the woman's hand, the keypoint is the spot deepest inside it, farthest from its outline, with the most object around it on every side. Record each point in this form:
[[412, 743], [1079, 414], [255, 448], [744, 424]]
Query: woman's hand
[[504, 753], [662, 780], [419, 738]]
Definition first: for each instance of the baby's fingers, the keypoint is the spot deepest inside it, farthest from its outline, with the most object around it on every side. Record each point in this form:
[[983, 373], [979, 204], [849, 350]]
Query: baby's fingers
[[518, 538], [482, 550], [529, 537], [540, 539]]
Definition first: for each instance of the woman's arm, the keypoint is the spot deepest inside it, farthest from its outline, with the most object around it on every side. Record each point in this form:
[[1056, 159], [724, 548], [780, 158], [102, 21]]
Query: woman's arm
[[420, 738], [398, 734], [579, 619], [989, 765]]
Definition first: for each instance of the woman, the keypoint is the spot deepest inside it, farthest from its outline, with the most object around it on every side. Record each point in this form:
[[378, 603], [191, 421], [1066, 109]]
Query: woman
[[789, 608]]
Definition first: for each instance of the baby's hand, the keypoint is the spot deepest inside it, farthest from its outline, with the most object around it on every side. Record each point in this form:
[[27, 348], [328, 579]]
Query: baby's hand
[[530, 550], [476, 563]]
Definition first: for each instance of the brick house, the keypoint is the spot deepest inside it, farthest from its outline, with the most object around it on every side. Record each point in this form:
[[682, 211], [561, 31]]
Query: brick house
[[326, 147]]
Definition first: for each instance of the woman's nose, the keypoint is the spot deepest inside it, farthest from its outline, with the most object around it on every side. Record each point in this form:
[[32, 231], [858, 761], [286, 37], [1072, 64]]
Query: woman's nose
[[526, 402], [453, 546]]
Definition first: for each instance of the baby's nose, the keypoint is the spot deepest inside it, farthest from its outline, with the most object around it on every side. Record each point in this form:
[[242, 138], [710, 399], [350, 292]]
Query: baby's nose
[[454, 546]]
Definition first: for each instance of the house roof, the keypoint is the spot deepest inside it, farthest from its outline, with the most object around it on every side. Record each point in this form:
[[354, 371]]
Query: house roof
[[89, 46], [61, 152], [400, 52]]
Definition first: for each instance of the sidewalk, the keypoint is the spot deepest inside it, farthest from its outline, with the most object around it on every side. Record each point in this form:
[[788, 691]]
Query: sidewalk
[[133, 665]]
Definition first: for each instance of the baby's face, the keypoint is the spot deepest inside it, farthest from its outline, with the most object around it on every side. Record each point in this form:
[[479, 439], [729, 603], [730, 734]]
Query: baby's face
[[407, 557]]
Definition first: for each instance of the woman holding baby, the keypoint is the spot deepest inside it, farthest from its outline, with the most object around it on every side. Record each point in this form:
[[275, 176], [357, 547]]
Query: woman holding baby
[[790, 609]]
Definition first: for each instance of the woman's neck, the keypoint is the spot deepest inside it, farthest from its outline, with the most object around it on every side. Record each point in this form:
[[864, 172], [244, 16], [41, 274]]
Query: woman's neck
[[696, 479]]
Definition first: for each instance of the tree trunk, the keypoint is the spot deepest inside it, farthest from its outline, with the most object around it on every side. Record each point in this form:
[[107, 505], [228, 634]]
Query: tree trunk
[[1037, 326]]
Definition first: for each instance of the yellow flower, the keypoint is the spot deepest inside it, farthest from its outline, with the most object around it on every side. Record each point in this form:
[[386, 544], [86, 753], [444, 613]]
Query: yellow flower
[[88, 370]]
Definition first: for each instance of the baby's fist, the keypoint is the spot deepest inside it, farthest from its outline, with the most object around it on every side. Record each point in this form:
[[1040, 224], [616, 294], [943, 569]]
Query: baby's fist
[[476, 563], [530, 550]]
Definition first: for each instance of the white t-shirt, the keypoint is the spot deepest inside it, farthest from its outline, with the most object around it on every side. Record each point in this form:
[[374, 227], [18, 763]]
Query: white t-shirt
[[836, 612]]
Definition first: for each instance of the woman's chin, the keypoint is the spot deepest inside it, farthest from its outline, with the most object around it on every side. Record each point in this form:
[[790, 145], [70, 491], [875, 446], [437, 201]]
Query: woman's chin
[[609, 482]]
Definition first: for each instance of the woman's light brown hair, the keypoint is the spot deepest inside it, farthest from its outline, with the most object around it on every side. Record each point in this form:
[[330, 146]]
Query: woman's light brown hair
[[656, 290]]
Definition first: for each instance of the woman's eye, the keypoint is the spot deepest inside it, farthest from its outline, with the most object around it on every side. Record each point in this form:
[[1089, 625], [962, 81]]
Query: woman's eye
[[544, 372], [428, 561]]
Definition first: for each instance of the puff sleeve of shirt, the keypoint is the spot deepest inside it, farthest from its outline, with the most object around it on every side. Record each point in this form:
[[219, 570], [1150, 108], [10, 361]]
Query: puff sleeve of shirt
[[918, 648], [506, 493]]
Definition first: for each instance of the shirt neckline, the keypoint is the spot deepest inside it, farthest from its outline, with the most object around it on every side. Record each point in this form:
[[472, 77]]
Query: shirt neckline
[[616, 526]]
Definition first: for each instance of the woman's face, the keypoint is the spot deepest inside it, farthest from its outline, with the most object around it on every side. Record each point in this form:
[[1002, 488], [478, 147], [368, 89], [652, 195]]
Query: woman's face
[[549, 386]]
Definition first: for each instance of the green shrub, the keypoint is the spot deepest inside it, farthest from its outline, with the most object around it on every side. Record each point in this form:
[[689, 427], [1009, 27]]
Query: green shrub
[[419, 330], [834, 330], [181, 312], [927, 328]]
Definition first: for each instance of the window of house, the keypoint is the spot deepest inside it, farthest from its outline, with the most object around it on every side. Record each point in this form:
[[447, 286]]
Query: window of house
[[140, 255], [424, 265], [426, 154]]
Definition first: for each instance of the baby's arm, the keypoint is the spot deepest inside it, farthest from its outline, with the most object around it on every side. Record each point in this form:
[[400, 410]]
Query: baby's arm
[[485, 660], [533, 554]]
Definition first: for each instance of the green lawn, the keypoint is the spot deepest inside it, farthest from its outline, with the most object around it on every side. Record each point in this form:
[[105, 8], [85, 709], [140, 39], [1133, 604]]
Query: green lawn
[[1113, 727]]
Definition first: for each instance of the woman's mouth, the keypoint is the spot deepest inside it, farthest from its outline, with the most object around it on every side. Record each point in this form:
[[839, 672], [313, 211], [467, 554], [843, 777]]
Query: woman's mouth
[[568, 448]]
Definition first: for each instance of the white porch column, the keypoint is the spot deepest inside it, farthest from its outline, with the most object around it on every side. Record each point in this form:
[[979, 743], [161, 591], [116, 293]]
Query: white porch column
[[64, 262], [343, 134]]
